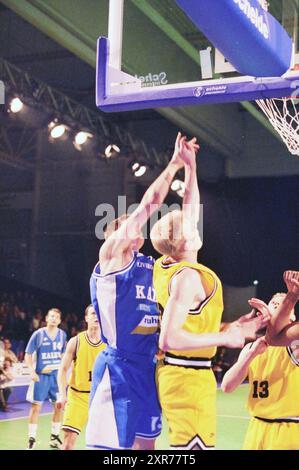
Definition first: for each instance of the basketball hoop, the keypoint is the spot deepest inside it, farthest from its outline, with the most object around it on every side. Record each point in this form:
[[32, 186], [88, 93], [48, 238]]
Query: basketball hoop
[[283, 114]]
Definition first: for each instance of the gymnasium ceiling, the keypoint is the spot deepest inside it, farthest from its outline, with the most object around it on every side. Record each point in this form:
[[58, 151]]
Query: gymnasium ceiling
[[55, 40]]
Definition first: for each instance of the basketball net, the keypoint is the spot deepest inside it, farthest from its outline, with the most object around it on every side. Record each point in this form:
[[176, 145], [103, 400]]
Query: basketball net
[[283, 114]]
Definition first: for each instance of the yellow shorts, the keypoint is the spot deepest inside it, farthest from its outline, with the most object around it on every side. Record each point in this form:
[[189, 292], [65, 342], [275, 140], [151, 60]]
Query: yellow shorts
[[76, 411], [271, 436], [188, 400]]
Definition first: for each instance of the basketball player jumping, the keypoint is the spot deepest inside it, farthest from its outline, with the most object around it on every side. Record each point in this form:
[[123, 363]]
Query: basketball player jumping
[[191, 296], [124, 408]]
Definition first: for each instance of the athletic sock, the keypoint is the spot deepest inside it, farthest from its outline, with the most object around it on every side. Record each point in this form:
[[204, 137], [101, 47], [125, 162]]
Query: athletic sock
[[55, 428], [32, 430]]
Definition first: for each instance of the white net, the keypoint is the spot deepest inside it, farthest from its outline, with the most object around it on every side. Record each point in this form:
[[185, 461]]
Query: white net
[[283, 114]]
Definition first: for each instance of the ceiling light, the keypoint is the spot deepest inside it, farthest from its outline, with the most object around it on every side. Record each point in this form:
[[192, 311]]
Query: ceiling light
[[16, 105], [112, 151]]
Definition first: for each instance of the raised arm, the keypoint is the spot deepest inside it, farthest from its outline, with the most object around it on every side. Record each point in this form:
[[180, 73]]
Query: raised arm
[[191, 200], [281, 318], [65, 364], [236, 375], [122, 238], [280, 331], [185, 287]]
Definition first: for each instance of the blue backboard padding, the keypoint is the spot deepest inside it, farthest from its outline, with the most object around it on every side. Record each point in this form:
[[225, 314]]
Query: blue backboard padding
[[249, 37], [209, 92]]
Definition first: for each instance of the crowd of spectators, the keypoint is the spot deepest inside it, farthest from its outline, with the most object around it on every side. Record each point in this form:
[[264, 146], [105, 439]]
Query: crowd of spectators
[[23, 312]]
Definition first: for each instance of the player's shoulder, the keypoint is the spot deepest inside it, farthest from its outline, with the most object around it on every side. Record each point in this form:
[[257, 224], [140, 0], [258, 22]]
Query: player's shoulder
[[185, 277], [62, 332], [37, 333], [73, 343], [96, 270], [187, 273]]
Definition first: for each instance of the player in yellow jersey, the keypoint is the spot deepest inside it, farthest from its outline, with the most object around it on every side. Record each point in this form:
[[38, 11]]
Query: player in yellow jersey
[[191, 296], [280, 332], [273, 374], [81, 351]]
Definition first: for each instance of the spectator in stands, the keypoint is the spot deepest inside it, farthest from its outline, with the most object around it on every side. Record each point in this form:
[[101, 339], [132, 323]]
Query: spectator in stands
[[3, 313], [73, 320], [73, 331], [1, 332], [9, 354], [18, 329], [6, 376], [36, 320]]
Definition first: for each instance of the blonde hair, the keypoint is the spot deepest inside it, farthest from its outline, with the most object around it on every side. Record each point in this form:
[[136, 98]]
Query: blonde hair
[[167, 234]]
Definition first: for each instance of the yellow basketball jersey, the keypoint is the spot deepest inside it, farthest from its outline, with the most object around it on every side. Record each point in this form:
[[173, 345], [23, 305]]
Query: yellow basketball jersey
[[86, 353], [274, 384], [206, 317]]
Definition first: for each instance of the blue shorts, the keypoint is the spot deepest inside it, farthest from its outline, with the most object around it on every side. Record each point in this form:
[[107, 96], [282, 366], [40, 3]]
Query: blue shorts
[[123, 401], [45, 389]]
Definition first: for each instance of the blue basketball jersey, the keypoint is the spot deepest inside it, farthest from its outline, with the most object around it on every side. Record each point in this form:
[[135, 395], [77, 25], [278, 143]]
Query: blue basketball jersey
[[126, 306], [48, 352]]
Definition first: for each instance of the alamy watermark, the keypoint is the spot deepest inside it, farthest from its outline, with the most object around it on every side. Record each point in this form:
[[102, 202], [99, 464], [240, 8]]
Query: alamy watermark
[[2, 93], [186, 223]]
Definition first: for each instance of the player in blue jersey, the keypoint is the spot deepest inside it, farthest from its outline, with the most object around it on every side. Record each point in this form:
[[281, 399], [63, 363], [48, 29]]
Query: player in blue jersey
[[43, 356], [124, 409]]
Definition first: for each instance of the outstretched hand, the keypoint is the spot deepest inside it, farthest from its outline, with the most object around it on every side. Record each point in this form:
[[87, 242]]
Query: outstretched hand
[[239, 331], [176, 158], [188, 150], [291, 278], [245, 318], [251, 327], [263, 310], [184, 151]]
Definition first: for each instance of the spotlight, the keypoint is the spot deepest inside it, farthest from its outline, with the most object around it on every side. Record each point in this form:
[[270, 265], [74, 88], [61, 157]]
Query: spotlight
[[255, 282], [178, 187], [81, 138], [112, 151], [16, 105], [138, 169], [57, 130]]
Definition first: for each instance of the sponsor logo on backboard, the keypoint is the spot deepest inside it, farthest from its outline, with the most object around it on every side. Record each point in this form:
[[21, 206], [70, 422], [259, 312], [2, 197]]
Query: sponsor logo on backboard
[[201, 91], [255, 15]]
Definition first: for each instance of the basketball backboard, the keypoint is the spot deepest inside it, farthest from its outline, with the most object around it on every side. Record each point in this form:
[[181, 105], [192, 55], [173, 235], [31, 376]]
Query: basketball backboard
[[174, 62]]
